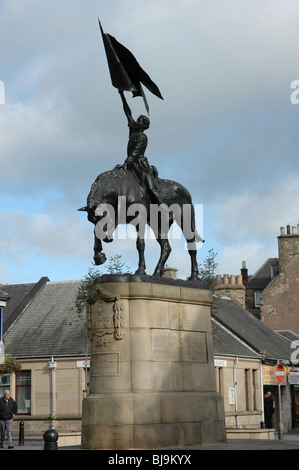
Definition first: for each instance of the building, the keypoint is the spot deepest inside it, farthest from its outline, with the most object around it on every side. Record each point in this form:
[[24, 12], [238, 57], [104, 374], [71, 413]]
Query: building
[[4, 297], [279, 300], [245, 360], [272, 295], [43, 330], [256, 284]]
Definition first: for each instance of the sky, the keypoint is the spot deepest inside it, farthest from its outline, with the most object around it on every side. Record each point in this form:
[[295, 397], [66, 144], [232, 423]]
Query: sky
[[227, 128]]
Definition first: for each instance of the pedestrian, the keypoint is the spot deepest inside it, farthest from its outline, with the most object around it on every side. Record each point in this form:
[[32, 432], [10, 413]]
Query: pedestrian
[[8, 408], [268, 409]]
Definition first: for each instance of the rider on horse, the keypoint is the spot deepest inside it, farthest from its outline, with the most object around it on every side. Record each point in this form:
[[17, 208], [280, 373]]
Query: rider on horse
[[136, 160]]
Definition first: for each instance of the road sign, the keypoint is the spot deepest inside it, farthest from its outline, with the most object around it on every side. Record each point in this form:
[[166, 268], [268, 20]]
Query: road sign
[[279, 373]]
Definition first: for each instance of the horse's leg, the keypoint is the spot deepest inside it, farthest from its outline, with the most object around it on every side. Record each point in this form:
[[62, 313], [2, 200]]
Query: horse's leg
[[99, 257], [165, 252], [188, 226], [140, 245], [193, 254]]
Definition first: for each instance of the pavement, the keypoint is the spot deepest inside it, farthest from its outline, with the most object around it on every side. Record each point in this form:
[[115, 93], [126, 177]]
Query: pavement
[[288, 442]]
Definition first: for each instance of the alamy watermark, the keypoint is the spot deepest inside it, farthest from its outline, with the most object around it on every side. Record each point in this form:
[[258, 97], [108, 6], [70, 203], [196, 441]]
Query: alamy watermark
[[2, 92], [159, 217], [295, 94], [295, 354]]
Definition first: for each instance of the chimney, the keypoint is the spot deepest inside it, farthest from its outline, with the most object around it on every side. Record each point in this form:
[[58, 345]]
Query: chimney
[[288, 245], [244, 273], [232, 287], [170, 273]]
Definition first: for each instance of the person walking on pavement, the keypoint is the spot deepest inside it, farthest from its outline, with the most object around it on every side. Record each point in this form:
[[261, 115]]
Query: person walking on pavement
[[8, 408]]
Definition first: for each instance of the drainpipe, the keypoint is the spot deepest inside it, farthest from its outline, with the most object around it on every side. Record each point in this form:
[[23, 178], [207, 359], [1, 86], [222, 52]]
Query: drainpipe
[[52, 367], [236, 361]]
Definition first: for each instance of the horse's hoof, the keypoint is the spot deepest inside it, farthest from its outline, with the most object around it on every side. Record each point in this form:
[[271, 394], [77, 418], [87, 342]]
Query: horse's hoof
[[99, 258], [157, 274], [108, 239], [140, 272], [194, 277]]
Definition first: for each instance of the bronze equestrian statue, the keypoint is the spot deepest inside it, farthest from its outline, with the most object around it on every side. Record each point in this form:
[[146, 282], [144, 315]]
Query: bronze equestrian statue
[[135, 187]]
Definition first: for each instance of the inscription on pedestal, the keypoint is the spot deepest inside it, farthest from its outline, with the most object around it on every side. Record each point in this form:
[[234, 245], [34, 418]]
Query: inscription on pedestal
[[106, 364], [179, 346]]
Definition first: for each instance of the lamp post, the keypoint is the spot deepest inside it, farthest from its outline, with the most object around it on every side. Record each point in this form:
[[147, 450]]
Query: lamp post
[[52, 367]]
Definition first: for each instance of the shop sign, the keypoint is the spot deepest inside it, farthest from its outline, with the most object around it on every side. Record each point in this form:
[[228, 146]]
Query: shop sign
[[220, 363], [293, 377], [269, 376], [83, 364]]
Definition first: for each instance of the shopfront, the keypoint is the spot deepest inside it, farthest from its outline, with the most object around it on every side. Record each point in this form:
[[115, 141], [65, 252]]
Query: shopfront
[[293, 378], [270, 384]]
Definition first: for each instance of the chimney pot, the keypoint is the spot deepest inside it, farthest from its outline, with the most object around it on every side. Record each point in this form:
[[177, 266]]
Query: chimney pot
[[170, 272], [244, 273]]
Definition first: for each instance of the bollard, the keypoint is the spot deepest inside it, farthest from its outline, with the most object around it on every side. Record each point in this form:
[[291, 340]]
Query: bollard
[[21, 434], [50, 439]]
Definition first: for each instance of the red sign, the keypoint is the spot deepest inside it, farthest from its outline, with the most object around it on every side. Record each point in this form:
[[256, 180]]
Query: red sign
[[279, 373]]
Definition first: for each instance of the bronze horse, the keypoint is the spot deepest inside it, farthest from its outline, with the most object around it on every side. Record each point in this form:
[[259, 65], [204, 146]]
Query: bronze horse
[[103, 209]]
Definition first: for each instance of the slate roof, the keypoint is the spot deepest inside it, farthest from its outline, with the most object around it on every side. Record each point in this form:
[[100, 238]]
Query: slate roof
[[20, 296], [4, 296], [290, 335], [251, 330], [227, 344], [264, 274], [50, 325]]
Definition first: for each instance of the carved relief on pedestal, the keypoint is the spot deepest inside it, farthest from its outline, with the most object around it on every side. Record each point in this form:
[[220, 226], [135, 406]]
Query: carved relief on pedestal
[[105, 317]]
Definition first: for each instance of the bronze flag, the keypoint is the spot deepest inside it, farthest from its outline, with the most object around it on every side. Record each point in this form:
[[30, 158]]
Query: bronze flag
[[125, 72]]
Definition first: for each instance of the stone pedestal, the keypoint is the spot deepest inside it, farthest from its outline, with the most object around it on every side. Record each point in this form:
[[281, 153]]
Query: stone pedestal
[[152, 379]]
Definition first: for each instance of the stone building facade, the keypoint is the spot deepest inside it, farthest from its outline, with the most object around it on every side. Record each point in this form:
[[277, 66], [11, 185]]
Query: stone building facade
[[279, 300]]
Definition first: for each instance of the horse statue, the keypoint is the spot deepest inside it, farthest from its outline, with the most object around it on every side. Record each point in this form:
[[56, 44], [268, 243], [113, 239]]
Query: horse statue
[[136, 184], [114, 189]]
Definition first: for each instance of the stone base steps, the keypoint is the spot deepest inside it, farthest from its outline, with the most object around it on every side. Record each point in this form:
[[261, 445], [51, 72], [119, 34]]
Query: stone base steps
[[243, 433], [66, 439]]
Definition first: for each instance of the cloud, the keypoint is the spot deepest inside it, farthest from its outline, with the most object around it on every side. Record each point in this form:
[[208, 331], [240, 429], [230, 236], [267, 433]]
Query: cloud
[[226, 128]]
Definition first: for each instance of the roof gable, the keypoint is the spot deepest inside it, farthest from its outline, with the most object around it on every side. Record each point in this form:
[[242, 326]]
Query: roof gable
[[264, 274], [20, 296]]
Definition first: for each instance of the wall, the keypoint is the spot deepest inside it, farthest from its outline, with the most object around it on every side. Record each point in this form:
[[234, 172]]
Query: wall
[[69, 385], [280, 299], [233, 369]]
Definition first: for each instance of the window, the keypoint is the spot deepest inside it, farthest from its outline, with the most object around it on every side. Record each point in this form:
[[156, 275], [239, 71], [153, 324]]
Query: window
[[24, 392], [257, 299], [247, 382], [4, 383], [254, 388]]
